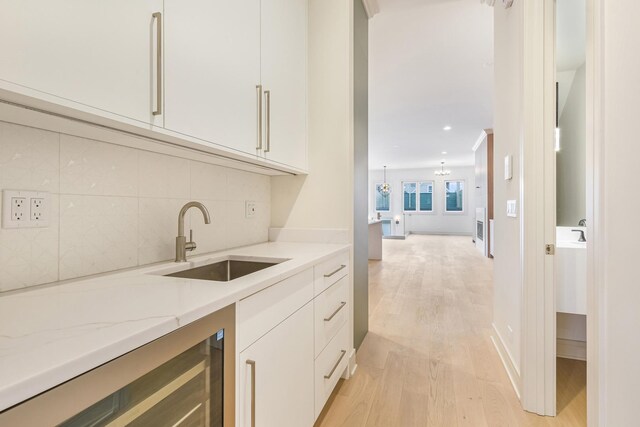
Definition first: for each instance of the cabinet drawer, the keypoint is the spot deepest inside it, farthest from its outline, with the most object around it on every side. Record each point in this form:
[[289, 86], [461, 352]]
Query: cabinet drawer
[[331, 311], [329, 366], [330, 271], [259, 313]]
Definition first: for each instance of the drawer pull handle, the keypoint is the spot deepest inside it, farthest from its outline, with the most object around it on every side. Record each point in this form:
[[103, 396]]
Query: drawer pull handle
[[335, 271], [330, 374], [328, 319], [252, 363]]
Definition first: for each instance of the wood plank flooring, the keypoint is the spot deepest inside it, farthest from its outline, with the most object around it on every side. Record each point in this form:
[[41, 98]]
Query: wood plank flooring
[[428, 359]]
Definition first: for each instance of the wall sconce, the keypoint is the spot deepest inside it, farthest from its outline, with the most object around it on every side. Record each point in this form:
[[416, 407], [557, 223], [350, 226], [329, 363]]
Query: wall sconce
[[397, 219]]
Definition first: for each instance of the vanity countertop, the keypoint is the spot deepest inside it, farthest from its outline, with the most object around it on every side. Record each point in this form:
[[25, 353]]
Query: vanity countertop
[[53, 333]]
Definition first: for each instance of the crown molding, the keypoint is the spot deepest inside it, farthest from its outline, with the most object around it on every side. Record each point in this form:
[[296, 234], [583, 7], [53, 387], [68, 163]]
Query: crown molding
[[371, 7], [481, 138]]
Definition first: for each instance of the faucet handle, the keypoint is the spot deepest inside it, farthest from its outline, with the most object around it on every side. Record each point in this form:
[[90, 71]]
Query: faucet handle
[[190, 245]]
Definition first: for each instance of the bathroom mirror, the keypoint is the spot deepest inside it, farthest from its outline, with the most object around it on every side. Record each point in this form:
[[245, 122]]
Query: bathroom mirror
[[571, 186]]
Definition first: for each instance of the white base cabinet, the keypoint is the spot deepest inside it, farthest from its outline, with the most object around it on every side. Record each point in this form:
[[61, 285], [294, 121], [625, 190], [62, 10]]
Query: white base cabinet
[[277, 372], [294, 341]]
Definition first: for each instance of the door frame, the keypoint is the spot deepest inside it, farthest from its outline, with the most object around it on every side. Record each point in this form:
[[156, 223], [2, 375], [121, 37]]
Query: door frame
[[538, 224], [596, 350]]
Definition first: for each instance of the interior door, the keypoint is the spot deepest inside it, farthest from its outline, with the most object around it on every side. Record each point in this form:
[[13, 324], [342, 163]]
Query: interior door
[[212, 66], [283, 368], [284, 76], [95, 53]]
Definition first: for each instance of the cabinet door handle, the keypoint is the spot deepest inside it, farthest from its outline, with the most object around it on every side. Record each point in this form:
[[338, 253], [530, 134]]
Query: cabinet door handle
[[328, 319], [252, 363], [267, 118], [259, 116], [158, 17], [335, 271], [342, 353]]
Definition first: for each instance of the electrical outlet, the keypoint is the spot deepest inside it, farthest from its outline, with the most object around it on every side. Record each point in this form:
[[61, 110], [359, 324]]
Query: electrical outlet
[[38, 209], [25, 209], [19, 209], [249, 209]]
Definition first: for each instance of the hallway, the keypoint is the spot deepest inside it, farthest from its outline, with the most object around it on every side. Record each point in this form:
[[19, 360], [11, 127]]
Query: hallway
[[428, 359]]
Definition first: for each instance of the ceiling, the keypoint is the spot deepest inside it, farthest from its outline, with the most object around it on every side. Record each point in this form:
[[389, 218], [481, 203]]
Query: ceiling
[[430, 66]]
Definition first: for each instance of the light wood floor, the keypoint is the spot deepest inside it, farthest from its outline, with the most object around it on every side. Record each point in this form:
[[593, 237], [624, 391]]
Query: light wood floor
[[428, 359]]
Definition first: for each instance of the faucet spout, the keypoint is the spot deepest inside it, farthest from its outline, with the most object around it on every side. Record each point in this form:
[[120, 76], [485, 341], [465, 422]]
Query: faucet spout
[[182, 246], [183, 211]]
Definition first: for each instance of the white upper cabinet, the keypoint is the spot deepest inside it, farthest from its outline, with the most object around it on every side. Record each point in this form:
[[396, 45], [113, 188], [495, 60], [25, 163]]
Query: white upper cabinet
[[284, 79], [83, 53], [212, 67]]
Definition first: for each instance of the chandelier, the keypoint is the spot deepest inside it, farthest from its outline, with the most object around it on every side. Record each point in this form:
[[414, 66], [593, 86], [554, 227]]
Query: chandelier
[[442, 170], [385, 188]]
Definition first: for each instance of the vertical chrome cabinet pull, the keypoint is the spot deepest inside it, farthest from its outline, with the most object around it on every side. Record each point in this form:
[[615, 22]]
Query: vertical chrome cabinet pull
[[252, 363], [267, 118], [330, 374], [259, 116], [158, 17]]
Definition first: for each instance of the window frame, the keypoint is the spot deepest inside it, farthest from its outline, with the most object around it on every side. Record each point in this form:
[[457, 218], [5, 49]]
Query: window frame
[[464, 197], [417, 182], [375, 195]]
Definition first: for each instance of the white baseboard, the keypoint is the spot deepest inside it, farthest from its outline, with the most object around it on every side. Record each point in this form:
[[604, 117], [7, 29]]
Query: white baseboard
[[351, 366], [571, 349], [507, 360], [310, 235]]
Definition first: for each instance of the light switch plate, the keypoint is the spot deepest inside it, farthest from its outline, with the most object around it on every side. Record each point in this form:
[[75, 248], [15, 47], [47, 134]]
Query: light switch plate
[[508, 167], [512, 208], [25, 209]]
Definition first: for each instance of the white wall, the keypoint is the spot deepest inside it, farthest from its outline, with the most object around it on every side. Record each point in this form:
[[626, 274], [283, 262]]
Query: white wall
[[324, 198], [508, 128], [620, 297], [437, 222], [114, 207]]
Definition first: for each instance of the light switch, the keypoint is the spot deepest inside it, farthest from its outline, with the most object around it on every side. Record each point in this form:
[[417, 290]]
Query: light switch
[[512, 208]]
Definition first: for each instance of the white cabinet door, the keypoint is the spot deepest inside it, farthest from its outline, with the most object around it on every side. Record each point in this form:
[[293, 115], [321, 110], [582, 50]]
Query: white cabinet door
[[284, 76], [212, 66], [94, 53], [283, 365]]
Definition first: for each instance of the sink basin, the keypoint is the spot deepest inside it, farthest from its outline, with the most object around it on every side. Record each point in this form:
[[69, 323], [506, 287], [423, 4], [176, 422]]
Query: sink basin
[[222, 270]]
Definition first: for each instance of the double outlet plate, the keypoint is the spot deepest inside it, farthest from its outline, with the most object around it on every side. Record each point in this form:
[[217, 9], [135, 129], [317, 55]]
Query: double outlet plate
[[25, 209]]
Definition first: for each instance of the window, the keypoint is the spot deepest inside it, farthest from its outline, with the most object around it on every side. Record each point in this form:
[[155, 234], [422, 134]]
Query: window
[[454, 191], [409, 196], [426, 196], [417, 196], [382, 202]]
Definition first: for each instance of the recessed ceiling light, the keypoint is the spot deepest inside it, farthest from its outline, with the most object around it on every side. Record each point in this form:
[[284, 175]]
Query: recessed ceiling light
[[444, 152], [446, 127]]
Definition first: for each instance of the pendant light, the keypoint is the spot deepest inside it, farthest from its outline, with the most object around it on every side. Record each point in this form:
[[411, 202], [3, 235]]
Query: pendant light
[[385, 188], [442, 170]]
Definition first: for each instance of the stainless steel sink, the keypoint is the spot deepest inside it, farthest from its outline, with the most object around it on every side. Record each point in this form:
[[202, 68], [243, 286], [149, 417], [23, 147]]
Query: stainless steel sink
[[225, 270]]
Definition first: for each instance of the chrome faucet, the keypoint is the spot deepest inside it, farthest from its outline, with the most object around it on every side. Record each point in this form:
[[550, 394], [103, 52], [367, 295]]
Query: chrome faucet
[[182, 246], [581, 239]]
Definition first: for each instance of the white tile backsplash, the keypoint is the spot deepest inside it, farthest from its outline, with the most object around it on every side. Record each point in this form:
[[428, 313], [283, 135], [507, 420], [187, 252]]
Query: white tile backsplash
[[29, 158], [97, 168], [164, 176], [97, 234], [115, 207]]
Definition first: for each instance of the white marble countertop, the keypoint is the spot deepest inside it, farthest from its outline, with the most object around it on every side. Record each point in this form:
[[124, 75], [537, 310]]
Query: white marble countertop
[[375, 221], [51, 334]]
